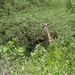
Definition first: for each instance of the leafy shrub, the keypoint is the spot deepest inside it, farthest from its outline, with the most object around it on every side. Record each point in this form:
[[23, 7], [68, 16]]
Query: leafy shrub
[[57, 58], [20, 31]]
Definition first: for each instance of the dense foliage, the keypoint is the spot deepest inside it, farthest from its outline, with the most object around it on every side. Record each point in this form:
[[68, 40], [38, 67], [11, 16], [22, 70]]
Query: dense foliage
[[23, 49]]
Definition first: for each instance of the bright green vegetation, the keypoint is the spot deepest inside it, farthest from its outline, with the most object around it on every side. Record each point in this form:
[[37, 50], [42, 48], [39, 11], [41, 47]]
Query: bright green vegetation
[[21, 49]]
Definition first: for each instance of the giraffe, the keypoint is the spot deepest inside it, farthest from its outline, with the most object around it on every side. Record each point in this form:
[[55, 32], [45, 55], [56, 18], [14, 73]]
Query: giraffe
[[48, 34]]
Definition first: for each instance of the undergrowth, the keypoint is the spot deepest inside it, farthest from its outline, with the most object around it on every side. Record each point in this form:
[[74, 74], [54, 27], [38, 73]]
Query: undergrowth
[[56, 59]]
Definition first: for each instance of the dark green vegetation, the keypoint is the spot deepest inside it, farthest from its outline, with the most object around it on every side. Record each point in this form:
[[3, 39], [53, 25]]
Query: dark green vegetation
[[23, 49]]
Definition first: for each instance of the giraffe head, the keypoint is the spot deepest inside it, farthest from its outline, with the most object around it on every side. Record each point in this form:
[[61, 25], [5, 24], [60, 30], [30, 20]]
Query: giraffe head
[[44, 24]]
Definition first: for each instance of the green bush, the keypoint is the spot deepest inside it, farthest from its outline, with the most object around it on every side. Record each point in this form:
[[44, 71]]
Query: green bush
[[57, 58], [22, 39]]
